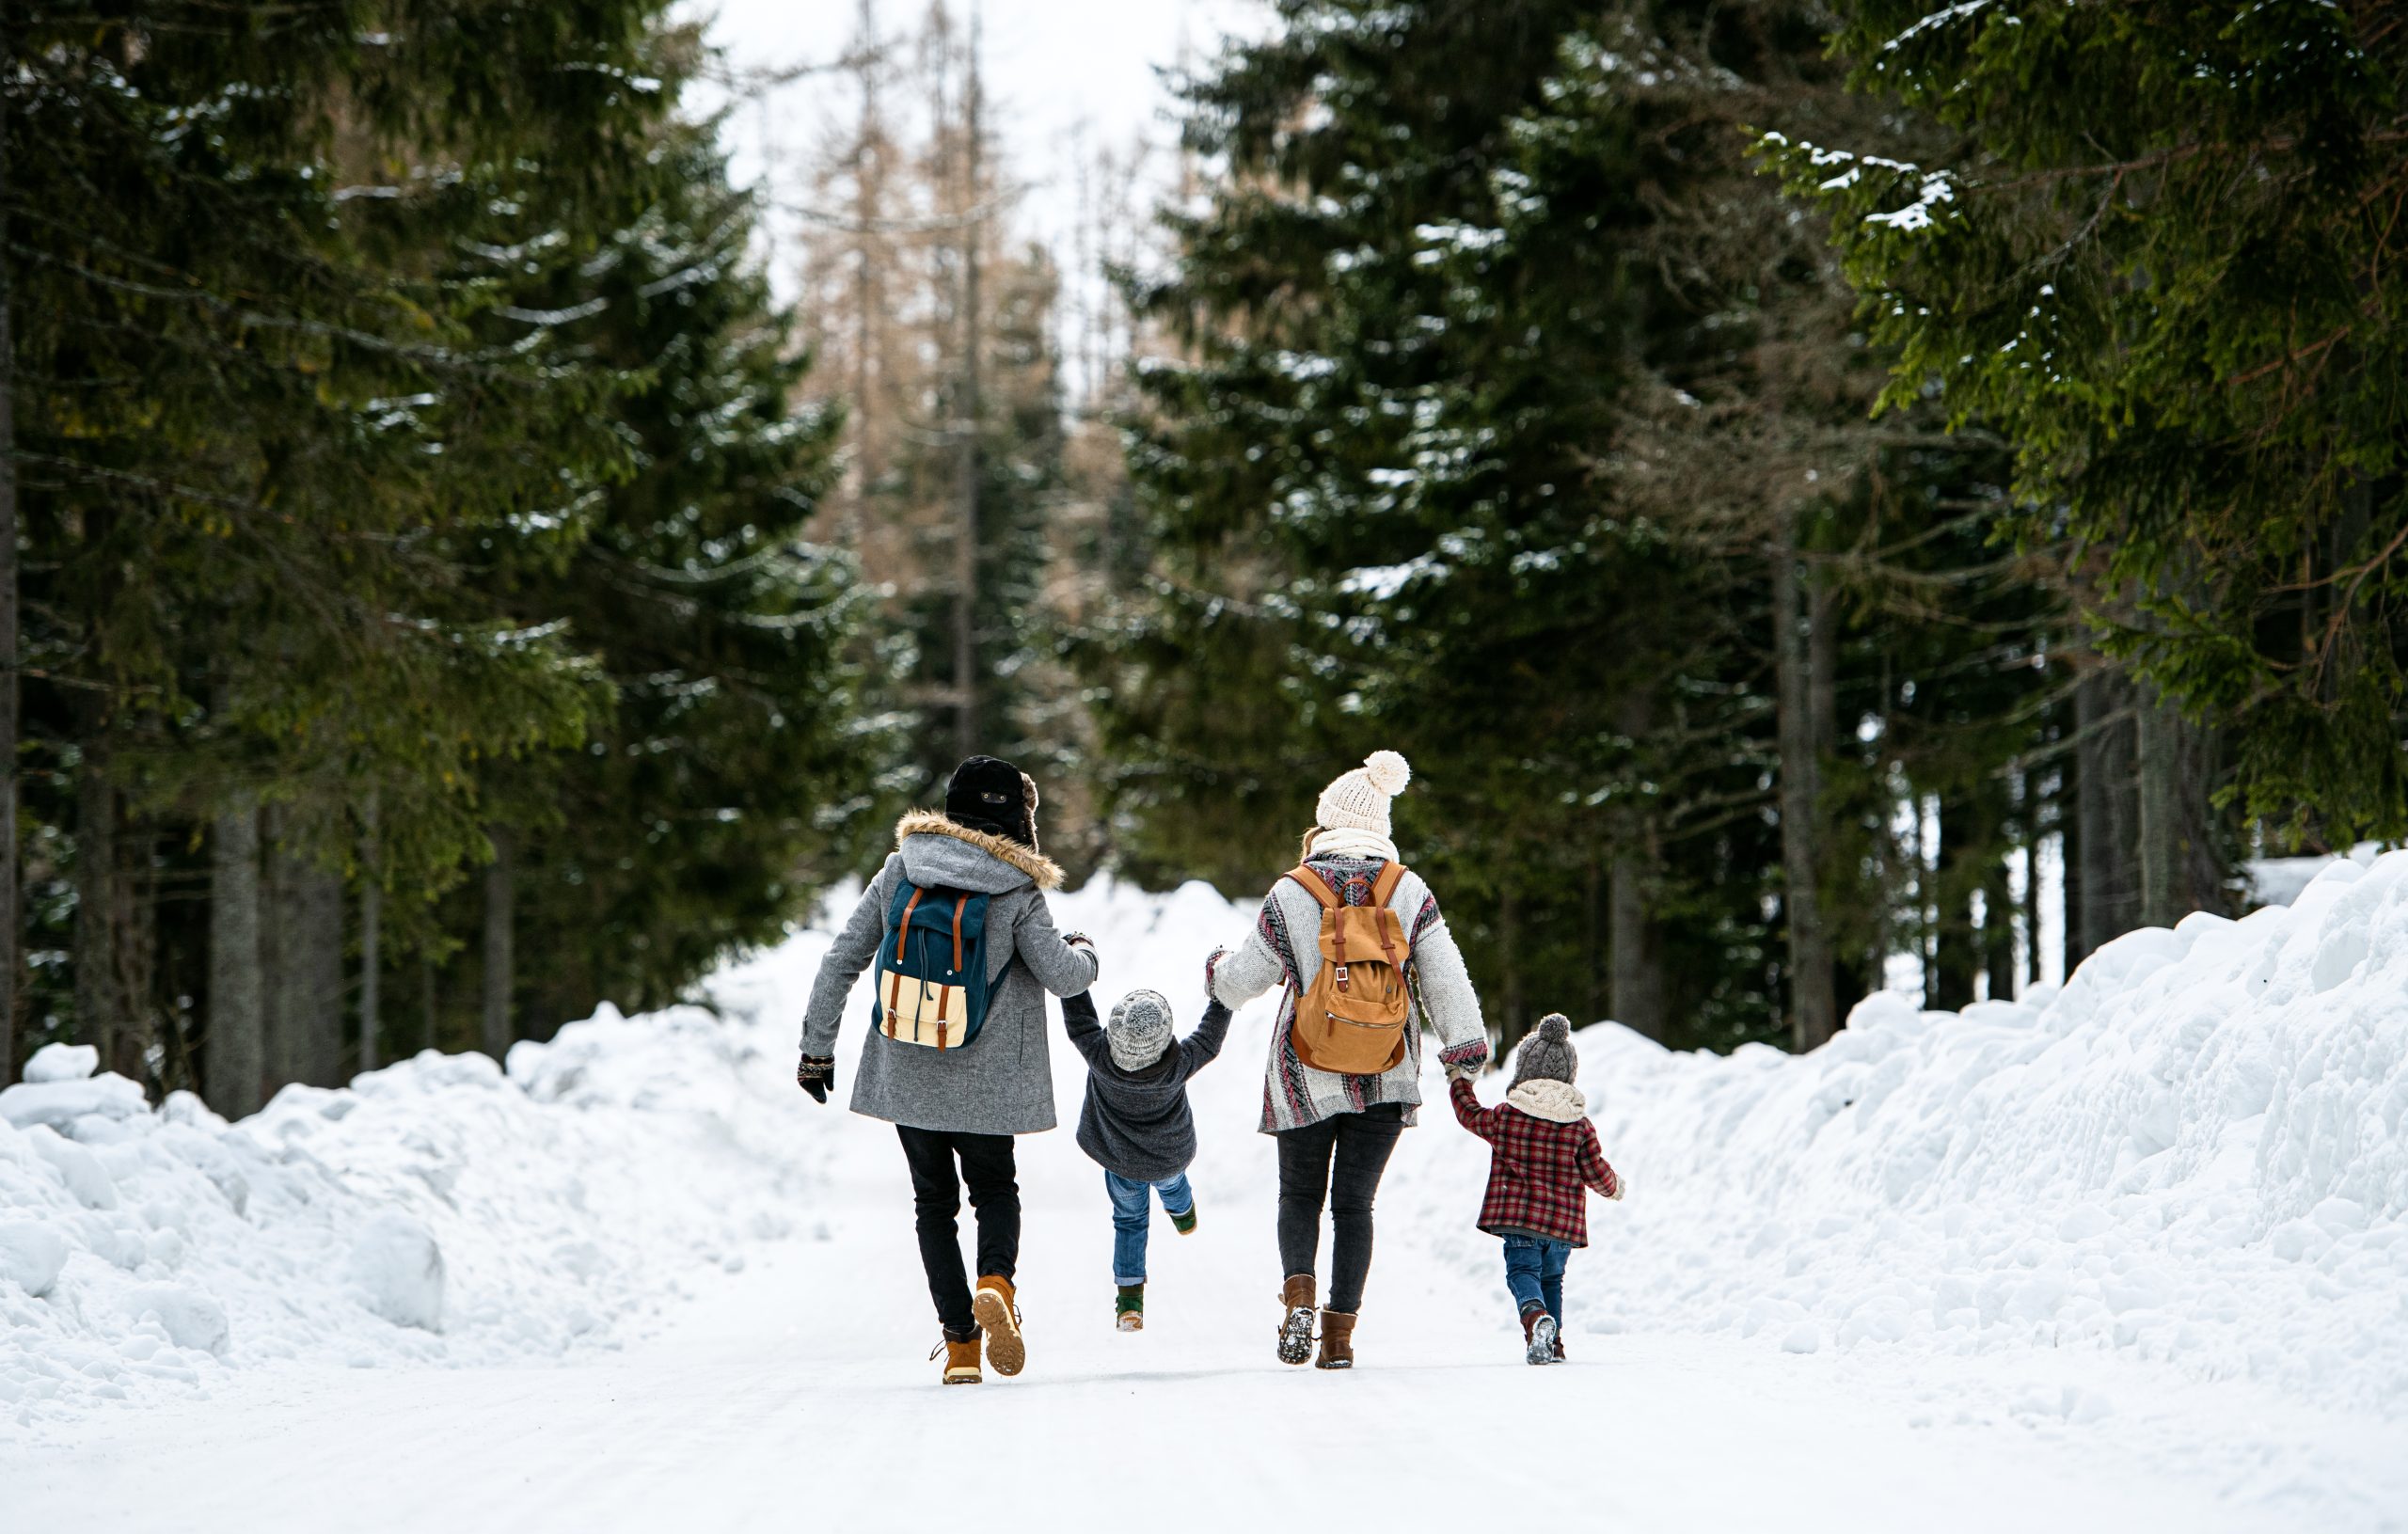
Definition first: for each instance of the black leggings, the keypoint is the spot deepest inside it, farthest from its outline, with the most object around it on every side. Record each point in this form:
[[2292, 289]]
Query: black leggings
[[936, 1199], [1339, 1159]]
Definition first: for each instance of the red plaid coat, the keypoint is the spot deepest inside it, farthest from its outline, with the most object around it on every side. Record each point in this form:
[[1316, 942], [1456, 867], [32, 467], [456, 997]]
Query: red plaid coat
[[1538, 1172]]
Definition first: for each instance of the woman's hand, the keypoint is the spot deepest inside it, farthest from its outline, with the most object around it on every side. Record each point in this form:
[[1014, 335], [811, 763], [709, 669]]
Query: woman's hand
[[817, 1076], [1212, 963]]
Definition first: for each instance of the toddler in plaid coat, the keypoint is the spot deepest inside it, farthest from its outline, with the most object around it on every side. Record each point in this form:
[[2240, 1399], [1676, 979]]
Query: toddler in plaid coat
[[1543, 1161]]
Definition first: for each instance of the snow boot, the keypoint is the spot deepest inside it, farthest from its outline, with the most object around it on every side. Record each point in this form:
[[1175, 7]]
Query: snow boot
[[1538, 1334], [1336, 1340], [1183, 1221], [1129, 1310], [1558, 1345], [1296, 1326], [998, 1311], [961, 1357]]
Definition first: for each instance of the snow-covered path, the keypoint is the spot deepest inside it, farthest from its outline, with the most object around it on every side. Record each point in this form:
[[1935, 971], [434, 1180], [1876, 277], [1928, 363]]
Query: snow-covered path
[[797, 1393], [2134, 1258]]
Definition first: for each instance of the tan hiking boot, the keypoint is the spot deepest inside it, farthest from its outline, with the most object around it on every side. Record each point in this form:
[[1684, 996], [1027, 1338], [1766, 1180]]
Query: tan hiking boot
[[1296, 1323], [961, 1359], [995, 1307], [1336, 1340]]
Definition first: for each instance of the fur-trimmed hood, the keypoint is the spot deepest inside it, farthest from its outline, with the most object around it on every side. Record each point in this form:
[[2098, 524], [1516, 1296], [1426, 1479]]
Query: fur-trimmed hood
[[1557, 1102], [1042, 870]]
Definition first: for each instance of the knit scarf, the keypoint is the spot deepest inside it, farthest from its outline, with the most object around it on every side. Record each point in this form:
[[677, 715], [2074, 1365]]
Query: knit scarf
[[1344, 843]]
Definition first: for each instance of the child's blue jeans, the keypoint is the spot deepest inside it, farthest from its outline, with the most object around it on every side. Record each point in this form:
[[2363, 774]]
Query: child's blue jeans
[[1534, 1271], [1132, 1211]]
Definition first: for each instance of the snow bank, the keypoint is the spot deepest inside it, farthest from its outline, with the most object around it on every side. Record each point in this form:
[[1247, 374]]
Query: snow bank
[[2192, 1153], [441, 1210]]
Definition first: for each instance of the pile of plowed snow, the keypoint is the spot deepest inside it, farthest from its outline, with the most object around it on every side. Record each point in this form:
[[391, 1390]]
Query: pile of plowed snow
[[441, 1210], [2192, 1153]]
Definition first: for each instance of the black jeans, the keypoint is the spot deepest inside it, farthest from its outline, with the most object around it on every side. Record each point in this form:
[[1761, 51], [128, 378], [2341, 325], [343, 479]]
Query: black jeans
[[1340, 1159], [936, 1199]]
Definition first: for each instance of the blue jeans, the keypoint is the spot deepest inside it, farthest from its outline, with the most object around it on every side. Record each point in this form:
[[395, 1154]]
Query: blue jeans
[[1131, 1210], [1534, 1271]]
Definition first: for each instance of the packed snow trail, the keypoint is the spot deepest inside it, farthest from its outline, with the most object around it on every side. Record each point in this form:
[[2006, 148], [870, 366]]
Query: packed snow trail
[[2129, 1256]]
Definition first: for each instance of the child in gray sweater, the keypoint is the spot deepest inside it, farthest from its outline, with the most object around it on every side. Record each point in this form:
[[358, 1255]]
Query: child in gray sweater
[[1135, 1123]]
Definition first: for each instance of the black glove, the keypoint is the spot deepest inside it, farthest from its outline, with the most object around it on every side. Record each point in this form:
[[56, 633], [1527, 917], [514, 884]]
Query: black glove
[[815, 1076]]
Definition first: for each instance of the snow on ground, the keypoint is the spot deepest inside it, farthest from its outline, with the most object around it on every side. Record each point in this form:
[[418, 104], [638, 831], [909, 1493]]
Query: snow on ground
[[2133, 1252]]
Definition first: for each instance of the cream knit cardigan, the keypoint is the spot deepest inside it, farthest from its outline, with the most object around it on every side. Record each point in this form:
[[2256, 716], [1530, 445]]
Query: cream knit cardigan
[[1283, 950]]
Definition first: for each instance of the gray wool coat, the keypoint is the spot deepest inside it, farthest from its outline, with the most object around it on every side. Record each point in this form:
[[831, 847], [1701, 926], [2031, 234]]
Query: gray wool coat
[[1001, 1082]]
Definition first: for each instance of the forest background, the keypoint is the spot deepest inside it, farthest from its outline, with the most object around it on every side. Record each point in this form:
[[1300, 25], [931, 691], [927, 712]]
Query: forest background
[[1828, 497]]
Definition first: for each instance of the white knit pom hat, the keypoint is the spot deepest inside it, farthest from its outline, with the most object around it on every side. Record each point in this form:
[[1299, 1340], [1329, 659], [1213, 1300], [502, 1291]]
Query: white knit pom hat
[[1358, 801]]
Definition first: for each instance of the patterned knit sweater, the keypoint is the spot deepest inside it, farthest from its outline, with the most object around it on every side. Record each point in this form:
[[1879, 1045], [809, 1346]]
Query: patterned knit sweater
[[1284, 950]]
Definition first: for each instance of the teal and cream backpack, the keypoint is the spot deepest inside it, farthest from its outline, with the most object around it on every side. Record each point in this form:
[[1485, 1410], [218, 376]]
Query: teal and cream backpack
[[932, 967]]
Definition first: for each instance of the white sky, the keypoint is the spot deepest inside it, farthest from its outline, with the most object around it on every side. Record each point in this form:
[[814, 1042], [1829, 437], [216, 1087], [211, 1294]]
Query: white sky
[[1055, 68]]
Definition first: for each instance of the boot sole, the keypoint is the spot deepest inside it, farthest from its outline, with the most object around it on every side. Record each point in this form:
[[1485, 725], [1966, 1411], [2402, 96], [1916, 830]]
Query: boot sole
[[1004, 1349], [962, 1379], [1541, 1345], [1130, 1324], [1296, 1337]]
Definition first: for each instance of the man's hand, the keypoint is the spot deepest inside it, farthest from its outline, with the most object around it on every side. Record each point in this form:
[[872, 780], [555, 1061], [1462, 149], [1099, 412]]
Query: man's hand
[[817, 1077]]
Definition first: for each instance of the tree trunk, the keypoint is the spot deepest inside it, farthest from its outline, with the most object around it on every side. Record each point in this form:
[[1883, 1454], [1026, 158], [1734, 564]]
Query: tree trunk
[[11, 1025], [1953, 944], [429, 1036], [2162, 835], [965, 546], [1813, 1004], [1638, 957], [1593, 950], [237, 1038], [372, 932], [2070, 793], [319, 905], [2107, 809], [1998, 932], [99, 1009], [499, 966]]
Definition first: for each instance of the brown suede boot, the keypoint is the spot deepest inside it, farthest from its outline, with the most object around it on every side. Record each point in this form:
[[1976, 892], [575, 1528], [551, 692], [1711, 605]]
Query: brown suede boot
[[1296, 1323], [960, 1357], [1336, 1340], [995, 1307]]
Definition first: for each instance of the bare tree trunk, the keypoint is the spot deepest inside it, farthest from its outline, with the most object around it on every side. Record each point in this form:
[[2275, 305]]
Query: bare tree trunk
[[965, 547], [372, 932], [237, 1077], [1592, 951], [1509, 944], [99, 1010], [1997, 931], [2157, 752], [320, 976], [1813, 1004], [499, 964], [429, 1036], [1634, 940], [2108, 810], [11, 1026], [1953, 944]]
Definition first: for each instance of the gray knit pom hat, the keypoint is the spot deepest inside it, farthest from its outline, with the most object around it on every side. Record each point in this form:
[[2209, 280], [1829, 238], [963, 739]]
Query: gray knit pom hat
[[1138, 1029], [1547, 1054]]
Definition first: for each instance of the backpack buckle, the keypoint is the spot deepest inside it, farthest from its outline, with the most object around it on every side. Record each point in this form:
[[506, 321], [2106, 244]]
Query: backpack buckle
[[1342, 977]]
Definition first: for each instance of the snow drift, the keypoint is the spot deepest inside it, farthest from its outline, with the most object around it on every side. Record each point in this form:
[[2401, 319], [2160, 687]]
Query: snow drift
[[2192, 1154]]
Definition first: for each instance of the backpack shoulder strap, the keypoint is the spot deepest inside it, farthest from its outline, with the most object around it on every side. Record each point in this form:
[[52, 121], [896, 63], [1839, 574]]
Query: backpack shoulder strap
[[1384, 887], [1315, 886]]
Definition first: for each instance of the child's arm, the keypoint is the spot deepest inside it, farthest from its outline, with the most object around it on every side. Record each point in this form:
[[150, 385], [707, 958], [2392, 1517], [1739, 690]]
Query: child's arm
[[1201, 1047], [1468, 1113], [1593, 1170], [1078, 1021]]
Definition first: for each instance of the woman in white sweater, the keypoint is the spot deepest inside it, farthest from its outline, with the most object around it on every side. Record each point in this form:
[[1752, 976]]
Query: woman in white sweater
[[1335, 1130]]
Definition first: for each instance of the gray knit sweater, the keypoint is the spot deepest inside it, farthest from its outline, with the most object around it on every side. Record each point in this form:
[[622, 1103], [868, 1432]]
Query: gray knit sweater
[[1284, 949], [1002, 1082], [1136, 1122]]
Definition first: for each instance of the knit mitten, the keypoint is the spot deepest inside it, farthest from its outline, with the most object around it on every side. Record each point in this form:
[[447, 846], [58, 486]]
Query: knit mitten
[[817, 1077]]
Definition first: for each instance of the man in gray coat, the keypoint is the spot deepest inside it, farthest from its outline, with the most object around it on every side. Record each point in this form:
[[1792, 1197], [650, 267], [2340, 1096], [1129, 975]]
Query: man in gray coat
[[962, 1105]]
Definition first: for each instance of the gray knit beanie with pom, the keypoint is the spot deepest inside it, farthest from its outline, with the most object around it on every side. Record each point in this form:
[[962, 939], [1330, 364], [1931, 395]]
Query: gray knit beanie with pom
[[1138, 1029], [1547, 1054]]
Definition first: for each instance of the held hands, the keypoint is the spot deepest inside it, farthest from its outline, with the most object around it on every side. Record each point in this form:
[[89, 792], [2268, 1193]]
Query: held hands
[[817, 1077], [1212, 963]]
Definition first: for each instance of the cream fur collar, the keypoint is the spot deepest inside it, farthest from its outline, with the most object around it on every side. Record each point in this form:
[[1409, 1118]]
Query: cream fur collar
[[1037, 865], [1557, 1102]]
